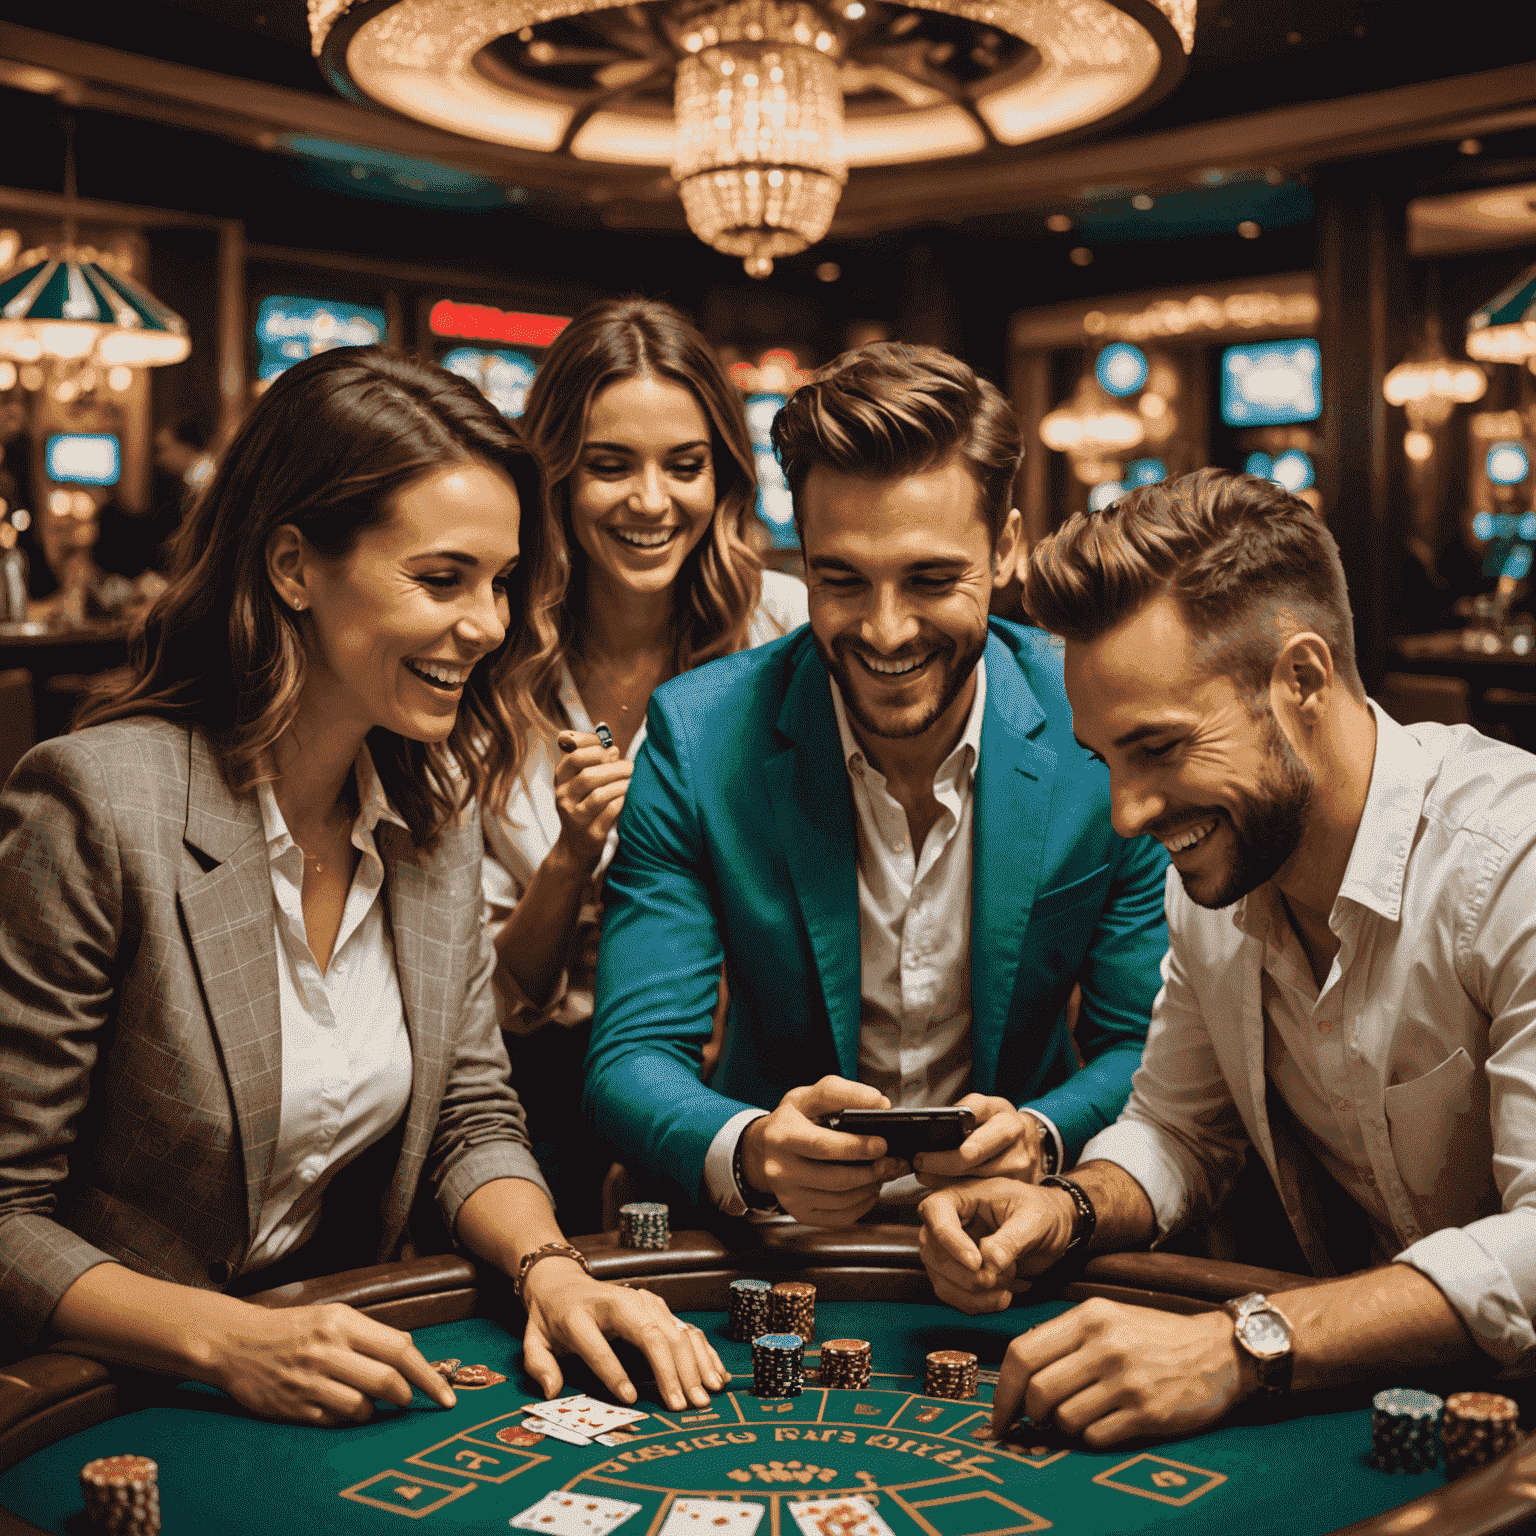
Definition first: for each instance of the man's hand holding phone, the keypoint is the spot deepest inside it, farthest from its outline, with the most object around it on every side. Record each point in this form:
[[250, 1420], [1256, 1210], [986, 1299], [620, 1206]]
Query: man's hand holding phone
[[1006, 1144], [821, 1177]]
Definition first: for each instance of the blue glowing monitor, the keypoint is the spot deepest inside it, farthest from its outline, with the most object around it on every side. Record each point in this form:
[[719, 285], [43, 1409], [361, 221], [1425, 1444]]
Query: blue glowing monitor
[[1271, 384], [84, 458], [775, 505], [290, 329], [504, 378]]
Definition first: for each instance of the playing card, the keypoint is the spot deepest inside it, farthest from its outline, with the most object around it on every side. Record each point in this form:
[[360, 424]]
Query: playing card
[[573, 1514], [711, 1517], [556, 1431], [585, 1414], [851, 1516]]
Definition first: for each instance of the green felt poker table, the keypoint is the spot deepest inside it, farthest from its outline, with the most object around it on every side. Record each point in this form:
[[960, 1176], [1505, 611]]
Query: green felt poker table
[[924, 1465]]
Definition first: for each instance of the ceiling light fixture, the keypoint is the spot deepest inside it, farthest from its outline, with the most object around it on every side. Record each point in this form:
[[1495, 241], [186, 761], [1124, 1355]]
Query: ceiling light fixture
[[762, 109], [1504, 329]]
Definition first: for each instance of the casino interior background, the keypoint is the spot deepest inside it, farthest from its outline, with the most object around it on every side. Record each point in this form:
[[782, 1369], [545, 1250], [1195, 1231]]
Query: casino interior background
[[1299, 242]]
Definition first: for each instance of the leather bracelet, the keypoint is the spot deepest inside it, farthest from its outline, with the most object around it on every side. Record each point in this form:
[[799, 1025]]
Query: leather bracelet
[[1087, 1218], [548, 1251], [753, 1199]]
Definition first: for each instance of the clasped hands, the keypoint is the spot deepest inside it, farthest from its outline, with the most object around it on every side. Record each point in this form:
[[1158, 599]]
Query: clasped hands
[[827, 1178], [1104, 1371]]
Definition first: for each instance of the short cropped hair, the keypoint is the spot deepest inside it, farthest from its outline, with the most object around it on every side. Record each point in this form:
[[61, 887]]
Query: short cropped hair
[[1248, 564], [890, 410]]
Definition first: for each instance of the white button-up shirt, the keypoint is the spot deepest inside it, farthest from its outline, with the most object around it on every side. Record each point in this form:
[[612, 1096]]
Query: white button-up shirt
[[1411, 1071], [346, 1068], [914, 946]]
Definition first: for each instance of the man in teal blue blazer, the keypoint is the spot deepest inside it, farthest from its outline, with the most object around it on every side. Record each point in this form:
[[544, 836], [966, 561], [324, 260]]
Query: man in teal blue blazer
[[874, 958]]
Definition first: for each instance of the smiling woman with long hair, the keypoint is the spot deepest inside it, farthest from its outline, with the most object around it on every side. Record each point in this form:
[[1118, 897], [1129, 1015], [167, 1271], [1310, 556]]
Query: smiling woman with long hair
[[245, 1003], [651, 482]]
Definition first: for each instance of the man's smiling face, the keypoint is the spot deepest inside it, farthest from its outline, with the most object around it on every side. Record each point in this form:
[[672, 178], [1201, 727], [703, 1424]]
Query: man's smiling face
[[900, 573], [1190, 763]]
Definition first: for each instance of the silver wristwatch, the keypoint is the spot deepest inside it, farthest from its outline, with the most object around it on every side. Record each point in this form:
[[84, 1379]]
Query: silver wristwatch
[[1265, 1334]]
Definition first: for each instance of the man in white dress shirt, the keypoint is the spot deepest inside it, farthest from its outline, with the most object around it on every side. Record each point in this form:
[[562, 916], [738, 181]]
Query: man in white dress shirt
[[1350, 989]]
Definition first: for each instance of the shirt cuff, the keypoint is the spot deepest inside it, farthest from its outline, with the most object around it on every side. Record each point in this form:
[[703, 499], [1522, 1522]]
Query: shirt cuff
[[1472, 1267], [1146, 1157], [1055, 1137], [720, 1163]]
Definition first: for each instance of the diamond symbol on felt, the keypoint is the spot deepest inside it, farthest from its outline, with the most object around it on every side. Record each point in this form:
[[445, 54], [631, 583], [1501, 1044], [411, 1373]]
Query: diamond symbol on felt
[[1156, 1477]]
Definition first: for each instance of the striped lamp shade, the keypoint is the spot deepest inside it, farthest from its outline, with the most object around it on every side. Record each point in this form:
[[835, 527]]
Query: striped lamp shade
[[1504, 329], [69, 307]]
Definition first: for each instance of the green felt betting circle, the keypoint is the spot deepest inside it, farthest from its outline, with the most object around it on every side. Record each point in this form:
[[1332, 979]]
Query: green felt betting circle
[[919, 1461]]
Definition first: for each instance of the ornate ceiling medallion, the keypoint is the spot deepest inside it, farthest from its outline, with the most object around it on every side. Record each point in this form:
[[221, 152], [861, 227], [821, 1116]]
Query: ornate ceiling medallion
[[760, 108]]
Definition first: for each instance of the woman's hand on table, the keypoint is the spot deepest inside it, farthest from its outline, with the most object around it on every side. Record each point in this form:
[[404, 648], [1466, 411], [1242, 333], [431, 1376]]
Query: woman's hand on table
[[591, 781], [982, 1241], [571, 1313], [327, 1364], [1005, 1145]]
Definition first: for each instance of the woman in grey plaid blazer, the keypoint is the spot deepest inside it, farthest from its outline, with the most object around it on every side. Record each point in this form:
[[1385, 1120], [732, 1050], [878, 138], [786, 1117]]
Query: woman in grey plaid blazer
[[245, 1007]]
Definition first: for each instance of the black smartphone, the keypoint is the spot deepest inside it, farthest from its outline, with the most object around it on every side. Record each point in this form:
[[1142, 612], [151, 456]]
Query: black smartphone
[[907, 1131]]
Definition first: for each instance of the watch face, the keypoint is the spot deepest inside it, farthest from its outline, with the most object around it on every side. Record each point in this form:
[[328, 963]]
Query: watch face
[[1265, 1334]]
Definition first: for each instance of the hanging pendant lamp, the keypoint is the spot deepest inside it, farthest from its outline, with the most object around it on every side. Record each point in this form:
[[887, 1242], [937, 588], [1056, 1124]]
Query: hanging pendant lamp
[[69, 305], [1504, 329]]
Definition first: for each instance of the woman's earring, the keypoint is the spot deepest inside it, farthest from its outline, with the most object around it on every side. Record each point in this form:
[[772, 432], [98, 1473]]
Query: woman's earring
[[298, 604]]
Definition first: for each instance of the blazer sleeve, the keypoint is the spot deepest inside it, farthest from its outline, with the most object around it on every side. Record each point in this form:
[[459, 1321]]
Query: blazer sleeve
[[61, 919], [1119, 979], [481, 1130], [658, 973]]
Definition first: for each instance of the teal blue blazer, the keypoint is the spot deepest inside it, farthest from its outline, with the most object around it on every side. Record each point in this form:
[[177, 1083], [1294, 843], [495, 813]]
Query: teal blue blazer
[[737, 844]]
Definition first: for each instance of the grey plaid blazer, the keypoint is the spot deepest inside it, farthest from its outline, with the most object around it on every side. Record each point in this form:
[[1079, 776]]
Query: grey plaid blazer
[[140, 1043]]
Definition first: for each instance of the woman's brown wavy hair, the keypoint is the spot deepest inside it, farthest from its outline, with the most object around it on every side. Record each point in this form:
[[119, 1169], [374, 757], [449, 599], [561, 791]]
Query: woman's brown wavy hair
[[720, 584], [326, 449]]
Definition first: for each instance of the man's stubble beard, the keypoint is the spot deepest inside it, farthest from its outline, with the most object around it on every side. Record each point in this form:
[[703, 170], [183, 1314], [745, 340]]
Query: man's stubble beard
[[1272, 824], [961, 664]]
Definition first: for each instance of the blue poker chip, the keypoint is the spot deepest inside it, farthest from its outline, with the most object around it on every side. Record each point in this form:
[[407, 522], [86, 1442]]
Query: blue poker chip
[[1408, 1402], [778, 1341]]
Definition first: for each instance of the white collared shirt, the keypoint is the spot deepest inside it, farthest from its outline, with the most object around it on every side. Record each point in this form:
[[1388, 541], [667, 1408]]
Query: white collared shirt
[[914, 946], [1411, 1071], [346, 1066], [520, 838]]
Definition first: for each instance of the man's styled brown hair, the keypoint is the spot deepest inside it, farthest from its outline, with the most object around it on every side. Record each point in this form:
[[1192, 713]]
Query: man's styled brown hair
[[891, 410], [1248, 564]]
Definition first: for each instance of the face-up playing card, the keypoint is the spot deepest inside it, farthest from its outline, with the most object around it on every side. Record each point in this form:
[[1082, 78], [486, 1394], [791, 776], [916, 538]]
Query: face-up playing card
[[851, 1516], [585, 1414], [556, 1431], [572, 1514], [711, 1517]]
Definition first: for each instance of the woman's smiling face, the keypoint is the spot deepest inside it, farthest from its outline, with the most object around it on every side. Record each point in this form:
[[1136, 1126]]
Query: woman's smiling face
[[396, 626], [643, 494]]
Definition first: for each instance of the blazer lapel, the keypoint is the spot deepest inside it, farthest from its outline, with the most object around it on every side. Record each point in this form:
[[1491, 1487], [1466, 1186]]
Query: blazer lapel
[[228, 913], [1015, 777], [424, 964], [813, 807]]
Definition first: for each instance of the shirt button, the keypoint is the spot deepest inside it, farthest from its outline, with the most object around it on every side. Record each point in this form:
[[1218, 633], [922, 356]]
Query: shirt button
[[1324, 1027]]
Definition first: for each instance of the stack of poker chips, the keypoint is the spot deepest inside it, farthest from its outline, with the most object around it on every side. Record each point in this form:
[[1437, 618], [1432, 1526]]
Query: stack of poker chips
[[122, 1495], [778, 1365], [749, 1309], [950, 1373], [643, 1224], [1405, 1430], [845, 1363], [792, 1308], [1477, 1427]]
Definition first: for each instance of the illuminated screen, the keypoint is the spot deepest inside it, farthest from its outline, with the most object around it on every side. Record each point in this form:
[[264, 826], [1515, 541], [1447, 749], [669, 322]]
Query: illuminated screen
[[504, 378], [81, 458], [774, 504], [290, 329], [1271, 384]]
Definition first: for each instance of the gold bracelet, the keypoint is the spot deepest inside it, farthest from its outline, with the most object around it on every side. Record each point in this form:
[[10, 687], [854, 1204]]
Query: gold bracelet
[[547, 1251]]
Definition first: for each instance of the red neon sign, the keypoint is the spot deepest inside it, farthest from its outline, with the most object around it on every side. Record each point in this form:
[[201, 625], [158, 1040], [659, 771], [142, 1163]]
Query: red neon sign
[[484, 322]]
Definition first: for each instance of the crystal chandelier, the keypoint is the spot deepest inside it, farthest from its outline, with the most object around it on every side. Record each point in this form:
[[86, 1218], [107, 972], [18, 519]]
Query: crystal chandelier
[[1091, 426], [762, 109], [1429, 387], [760, 159]]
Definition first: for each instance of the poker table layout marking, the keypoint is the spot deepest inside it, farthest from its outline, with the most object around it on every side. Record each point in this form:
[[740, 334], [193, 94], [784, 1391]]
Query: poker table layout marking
[[927, 1466]]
